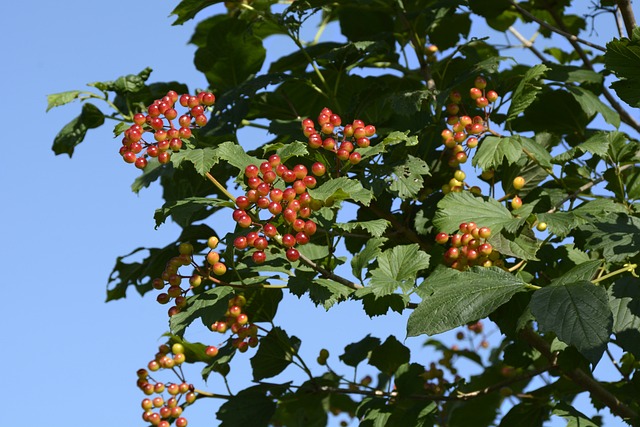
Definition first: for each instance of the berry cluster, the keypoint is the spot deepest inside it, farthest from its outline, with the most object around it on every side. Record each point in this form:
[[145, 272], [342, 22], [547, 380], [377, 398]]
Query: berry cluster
[[167, 138], [238, 323], [158, 411], [331, 131], [289, 209], [469, 247], [465, 130]]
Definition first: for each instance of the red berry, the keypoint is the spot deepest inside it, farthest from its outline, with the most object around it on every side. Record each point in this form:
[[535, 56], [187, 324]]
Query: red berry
[[442, 238], [288, 240], [292, 254], [251, 171], [259, 257], [318, 169]]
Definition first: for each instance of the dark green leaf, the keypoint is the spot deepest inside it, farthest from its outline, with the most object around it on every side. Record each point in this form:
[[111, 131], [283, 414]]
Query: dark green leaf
[[389, 356], [187, 9], [452, 298], [525, 414], [362, 259], [617, 236], [183, 210], [456, 208], [397, 268], [357, 352], [74, 132], [213, 303], [235, 155], [406, 179], [591, 105], [574, 417], [250, 407], [578, 313], [274, 354], [375, 227], [523, 246], [202, 159], [624, 301]]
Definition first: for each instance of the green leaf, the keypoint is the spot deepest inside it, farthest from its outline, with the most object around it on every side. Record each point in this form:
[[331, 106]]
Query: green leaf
[[494, 150], [578, 313], [213, 303], [235, 155], [523, 246], [356, 352], [73, 133], [232, 54], [617, 237], [62, 98], [187, 9], [375, 227], [183, 210], [456, 208], [527, 90], [370, 251], [132, 83], [389, 356], [342, 188], [624, 301], [623, 58], [525, 414], [584, 271], [591, 105], [293, 149], [453, 298], [398, 267], [274, 354], [394, 138], [327, 292], [202, 159], [250, 407], [406, 179], [538, 151]]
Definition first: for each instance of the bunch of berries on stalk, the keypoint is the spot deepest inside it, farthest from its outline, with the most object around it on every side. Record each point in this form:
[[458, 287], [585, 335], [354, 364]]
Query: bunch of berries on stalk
[[465, 130], [288, 210], [469, 247], [338, 139], [165, 136], [236, 321], [161, 410]]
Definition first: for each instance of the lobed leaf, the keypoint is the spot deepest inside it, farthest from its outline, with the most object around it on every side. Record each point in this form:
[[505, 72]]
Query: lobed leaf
[[527, 90], [342, 188], [494, 150], [274, 354], [73, 133]]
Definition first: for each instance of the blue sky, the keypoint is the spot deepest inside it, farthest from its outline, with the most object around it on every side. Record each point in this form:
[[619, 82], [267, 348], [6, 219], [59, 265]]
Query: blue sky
[[70, 359]]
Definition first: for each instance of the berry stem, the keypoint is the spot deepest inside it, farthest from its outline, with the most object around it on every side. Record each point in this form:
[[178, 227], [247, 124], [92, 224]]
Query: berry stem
[[220, 187], [631, 268], [202, 393]]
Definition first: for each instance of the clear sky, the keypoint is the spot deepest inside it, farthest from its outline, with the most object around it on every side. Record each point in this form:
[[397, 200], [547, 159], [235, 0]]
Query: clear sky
[[69, 358]]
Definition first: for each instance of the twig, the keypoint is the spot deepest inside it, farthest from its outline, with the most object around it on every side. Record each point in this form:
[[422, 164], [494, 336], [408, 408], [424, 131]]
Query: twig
[[220, 187], [550, 27], [624, 6], [328, 274], [526, 43], [580, 378]]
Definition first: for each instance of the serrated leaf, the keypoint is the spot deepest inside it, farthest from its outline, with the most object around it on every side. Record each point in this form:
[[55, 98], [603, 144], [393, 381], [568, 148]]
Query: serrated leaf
[[293, 149], [406, 179], [342, 188], [213, 302], [183, 210], [132, 83], [527, 91], [540, 153], [73, 133], [151, 173], [328, 293], [375, 227], [120, 128], [362, 259], [398, 267], [389, 356], [202, 159], [235, 155], [394, 138], [617, 236], [523, 246], [187, 9], [623, 58], [357, 352], [453, 298], [591, 105], [624, 301], [494, 150], [456, 208], [581, 272], [578, 313], [62, 98], [275, 353]]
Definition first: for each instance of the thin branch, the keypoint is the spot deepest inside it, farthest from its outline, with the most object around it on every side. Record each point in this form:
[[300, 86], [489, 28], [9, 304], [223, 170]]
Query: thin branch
[[550, 27], [624, 6], [526, 43], [581, 379], [619, 22], [328, 274]]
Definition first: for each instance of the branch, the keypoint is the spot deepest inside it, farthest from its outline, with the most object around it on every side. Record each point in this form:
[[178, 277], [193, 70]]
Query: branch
[[550, 27], [526, 43], [624, 6], [581, 379], [328, 274]]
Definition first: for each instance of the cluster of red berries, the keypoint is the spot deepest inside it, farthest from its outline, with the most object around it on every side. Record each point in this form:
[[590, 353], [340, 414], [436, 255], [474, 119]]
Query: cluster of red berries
[[238, 323], [168, 410], [167, 137], [465, 130], [469, 247], [293, 204], [331, 131]]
